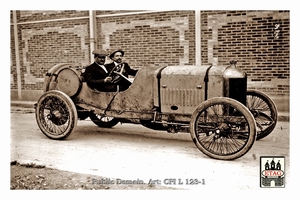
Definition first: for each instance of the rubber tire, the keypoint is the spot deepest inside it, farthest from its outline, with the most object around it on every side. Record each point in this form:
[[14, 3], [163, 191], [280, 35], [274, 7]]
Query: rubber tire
[[96, 120], [71, 110], [273, 111], [238, 106]]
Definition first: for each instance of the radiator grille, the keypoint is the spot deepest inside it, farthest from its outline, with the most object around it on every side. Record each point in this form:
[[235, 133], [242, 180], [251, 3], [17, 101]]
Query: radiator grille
[[238, 89]]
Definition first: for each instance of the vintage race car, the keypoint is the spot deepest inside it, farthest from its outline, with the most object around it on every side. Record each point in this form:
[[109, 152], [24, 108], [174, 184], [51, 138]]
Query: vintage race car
[[212, 103]]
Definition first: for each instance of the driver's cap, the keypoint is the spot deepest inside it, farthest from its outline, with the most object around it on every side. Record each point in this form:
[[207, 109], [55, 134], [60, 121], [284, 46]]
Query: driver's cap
[[99, 52]]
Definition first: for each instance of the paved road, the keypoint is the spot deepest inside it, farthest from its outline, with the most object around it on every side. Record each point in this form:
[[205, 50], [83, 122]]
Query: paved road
[[133, 152]]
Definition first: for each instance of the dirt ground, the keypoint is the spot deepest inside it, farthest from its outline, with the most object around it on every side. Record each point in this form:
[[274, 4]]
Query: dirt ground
[[157, 156], [38, 177]]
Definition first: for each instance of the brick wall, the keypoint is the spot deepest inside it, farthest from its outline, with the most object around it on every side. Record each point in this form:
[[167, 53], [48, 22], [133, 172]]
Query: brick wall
[[160, 39], [250, 38], [157, 38], [46, 43]]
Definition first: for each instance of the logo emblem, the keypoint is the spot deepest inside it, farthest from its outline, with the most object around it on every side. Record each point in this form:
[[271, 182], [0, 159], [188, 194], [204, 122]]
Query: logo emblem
[[272, 172]]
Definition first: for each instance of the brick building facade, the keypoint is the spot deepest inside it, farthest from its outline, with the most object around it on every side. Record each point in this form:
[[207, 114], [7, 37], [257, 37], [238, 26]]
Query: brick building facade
[[258, 40]]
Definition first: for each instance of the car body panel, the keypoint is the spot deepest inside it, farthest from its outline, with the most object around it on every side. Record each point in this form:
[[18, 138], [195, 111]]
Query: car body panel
[[182, 88], [173, 91], [138, 98]]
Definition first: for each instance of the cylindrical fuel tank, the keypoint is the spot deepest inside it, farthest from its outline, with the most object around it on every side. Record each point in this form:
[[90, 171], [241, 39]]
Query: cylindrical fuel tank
[[64, 78]]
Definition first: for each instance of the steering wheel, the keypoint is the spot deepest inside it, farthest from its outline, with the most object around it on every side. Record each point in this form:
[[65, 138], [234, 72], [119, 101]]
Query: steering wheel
[[118, 74]]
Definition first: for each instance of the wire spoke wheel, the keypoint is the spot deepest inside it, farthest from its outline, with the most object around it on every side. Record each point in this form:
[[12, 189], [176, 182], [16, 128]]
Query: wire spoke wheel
[[103, 121], [264, 111], [56, 114], [223, 128]]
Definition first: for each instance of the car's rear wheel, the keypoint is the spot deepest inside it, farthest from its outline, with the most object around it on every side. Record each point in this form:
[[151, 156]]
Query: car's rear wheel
[[223, 128], [104, 122], [56, 114]]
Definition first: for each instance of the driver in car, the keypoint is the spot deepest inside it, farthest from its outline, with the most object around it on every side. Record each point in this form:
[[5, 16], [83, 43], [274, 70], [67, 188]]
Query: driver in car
[[118, 67], [97, 75]]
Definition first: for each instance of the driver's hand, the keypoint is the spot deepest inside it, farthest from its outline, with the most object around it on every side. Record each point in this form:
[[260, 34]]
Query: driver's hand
[[108, 79]]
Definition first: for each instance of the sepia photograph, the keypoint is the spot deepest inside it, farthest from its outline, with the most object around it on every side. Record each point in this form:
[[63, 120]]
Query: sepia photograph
[[148, 100]]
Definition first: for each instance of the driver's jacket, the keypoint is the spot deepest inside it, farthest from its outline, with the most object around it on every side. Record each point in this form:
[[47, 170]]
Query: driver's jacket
[[94, 76]]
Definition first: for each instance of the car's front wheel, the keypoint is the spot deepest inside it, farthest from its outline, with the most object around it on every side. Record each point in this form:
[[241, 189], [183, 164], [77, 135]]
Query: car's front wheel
[[223, 128], [264, 112]]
